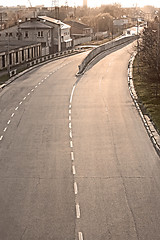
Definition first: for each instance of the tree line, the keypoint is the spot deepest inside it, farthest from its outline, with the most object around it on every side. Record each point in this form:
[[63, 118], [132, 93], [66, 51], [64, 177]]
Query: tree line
[[148, 58]]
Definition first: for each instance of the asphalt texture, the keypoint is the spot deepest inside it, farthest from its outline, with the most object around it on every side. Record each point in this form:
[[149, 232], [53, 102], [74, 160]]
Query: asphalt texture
[[75, 159]]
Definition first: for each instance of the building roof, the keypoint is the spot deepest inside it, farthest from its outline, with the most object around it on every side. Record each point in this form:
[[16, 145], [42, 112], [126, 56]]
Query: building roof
[[14, 44], [77, 24], [55, 21], [34, 25], [49, 19]]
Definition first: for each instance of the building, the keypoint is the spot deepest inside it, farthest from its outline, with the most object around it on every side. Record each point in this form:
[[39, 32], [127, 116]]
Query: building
[[80, 32], [35, 30], [79, 28], [17, 52], [53, 34], [61, 33]]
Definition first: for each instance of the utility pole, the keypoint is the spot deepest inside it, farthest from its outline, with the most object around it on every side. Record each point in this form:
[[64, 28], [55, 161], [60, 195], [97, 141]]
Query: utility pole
[[1, 16], [8, 58], [158, 42], [30, 3]]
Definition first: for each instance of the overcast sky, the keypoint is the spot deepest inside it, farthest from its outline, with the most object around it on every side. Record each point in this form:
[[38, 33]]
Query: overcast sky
[[91, 3]]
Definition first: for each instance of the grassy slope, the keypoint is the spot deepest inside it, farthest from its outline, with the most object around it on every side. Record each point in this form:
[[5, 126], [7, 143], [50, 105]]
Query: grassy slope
[[150, 104]]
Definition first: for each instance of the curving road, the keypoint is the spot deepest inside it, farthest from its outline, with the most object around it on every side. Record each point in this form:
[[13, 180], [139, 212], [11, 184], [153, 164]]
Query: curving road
[[75, 160]]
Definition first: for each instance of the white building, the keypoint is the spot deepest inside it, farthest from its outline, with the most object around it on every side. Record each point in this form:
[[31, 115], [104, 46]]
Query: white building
[[61, 33]]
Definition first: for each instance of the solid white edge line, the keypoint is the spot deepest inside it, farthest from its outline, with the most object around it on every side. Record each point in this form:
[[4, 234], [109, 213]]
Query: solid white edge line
[[78, 214], [75, 188], [80, 235]]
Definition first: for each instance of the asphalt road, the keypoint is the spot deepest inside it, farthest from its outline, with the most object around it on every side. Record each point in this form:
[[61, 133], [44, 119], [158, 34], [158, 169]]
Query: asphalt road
[[75, 160]]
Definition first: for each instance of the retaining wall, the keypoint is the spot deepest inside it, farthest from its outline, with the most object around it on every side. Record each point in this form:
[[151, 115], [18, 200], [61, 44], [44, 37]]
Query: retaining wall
[[103, 48]]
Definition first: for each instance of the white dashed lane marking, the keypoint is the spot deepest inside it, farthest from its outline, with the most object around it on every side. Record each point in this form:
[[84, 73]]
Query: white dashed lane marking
[[80, 236], [1, 137], [72, 156], [5, 129], [71, 144], [78, 213], [70, 133], [72, 94], [73, 170], [75, 188]]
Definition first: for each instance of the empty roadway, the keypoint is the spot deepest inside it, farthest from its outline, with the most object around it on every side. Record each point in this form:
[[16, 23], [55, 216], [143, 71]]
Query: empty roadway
[[75, 160]]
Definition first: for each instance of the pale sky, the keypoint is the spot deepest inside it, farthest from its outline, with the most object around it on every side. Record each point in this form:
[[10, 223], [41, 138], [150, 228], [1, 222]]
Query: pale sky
[[91, 3]]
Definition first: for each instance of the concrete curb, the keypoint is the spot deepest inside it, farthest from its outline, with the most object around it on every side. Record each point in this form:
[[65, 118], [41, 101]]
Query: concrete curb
[[76, 51], [153, 134]]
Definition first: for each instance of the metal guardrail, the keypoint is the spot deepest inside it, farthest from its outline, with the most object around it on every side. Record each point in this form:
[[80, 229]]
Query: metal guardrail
[[13, 72], [52, 56]]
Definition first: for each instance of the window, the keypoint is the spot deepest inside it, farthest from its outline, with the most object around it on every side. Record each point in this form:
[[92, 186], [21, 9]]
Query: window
[[10, 34], [32, 52], [6, 34], [43, 44], [26, 34], [10, 59], [16, 57], [28, 53], [3, 61], [22, 55], [40, 34]]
